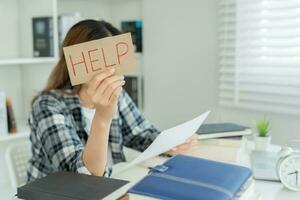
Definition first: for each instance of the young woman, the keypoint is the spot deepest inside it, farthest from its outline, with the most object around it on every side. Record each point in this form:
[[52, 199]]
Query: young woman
[[84, 128]]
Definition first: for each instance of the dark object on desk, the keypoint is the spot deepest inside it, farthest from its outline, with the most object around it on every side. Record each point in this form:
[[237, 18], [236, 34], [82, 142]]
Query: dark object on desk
[[185, 177], [68, 185], [217, 130], [135, 28], [42, 29]]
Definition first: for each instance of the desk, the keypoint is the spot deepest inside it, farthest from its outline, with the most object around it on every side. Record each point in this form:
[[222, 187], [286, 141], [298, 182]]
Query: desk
[[267, 189]]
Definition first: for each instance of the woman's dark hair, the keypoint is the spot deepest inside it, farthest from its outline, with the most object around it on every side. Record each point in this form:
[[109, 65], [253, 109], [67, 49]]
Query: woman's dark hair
[[83, 31]]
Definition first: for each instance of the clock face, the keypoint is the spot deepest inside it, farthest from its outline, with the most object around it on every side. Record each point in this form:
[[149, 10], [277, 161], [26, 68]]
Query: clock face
[[289, 172]]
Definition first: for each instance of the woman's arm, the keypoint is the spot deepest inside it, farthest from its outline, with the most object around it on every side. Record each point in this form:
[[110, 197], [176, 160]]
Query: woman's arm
[[103, 92], [54, 130], [137, 131]]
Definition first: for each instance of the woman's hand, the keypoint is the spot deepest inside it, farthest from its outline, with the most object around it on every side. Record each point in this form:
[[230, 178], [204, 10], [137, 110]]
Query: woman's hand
[[102, 93], [104, 90], [188, 148]]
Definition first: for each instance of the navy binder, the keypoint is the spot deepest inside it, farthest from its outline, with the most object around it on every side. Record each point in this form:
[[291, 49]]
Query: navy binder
[[185, 177]]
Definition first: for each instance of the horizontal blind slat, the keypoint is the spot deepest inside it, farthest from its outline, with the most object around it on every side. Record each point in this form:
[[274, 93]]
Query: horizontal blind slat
[[259, 55]]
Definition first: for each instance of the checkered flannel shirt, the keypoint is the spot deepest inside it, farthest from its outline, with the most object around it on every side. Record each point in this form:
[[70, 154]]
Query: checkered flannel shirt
[[58, 133]]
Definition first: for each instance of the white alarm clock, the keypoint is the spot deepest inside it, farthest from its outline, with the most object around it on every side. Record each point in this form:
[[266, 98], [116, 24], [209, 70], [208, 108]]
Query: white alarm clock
[[288, 168]]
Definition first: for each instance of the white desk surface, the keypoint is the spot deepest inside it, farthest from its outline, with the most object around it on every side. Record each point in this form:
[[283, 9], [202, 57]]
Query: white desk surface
[[268, 190]]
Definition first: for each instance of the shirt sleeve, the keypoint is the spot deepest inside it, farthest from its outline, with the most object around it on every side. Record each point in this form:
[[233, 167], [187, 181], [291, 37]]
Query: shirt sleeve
[[138, 133], [55, 130]]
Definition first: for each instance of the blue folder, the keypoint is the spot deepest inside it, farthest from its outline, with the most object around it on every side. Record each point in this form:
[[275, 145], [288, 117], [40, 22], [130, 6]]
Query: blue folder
[[185, 177]]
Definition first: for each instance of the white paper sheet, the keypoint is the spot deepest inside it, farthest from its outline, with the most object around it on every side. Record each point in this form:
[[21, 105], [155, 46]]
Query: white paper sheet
[[167, 140]]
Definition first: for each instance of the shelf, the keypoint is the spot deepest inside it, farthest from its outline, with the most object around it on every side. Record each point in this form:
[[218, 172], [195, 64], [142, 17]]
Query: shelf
[[15, 136], [23, 61]]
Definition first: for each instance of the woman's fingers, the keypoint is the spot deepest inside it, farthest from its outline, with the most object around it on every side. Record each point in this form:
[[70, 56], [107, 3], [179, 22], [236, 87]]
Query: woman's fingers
[[108, 83], [190, 143], [111, 89], [192, 140], [97, 79], [115, 95], [103, 98]]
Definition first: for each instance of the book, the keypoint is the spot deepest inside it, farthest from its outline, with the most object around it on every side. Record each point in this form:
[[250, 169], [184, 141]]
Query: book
[[228, 149], [186, 177], [11, 120], [65, 22], [222, 130], [3, 114], [220, 153], [42, 29], [69, 185], [234, 141], [131, 87], [135, 28]]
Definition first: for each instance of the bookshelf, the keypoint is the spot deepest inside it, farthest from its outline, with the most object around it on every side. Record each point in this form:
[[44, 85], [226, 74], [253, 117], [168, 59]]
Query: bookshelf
[[27, 61], [22, 75], [30, 73]]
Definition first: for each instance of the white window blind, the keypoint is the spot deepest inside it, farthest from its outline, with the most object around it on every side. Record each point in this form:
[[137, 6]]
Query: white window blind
[[259, 48]]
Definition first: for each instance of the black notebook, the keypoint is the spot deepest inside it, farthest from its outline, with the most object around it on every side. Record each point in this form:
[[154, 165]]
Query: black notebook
[[68, 185], [216, 130]]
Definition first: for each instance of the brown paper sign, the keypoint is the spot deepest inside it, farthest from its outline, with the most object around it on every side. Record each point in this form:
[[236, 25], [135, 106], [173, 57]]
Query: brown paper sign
[[86, 59]]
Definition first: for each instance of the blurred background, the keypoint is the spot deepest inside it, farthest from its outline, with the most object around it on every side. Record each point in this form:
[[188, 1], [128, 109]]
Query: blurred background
[[239, 61]]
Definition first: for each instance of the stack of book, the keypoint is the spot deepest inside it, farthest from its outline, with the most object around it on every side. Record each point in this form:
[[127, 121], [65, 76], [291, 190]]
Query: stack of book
[[222, 142]]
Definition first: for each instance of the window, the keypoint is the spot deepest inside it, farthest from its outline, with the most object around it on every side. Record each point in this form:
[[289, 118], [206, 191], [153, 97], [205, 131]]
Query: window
[[259, 54]]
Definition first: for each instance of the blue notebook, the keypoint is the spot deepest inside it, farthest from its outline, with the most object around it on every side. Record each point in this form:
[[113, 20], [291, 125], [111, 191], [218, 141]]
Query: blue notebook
[[185, 177]]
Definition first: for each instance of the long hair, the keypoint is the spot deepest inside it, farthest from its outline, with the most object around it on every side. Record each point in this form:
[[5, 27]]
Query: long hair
[[83, 31]]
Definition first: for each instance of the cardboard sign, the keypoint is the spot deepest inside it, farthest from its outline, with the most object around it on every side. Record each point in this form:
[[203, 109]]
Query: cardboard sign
[[86, 59]]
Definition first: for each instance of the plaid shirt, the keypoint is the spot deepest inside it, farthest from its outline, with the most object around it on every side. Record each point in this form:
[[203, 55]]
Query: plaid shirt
[[58, 133]]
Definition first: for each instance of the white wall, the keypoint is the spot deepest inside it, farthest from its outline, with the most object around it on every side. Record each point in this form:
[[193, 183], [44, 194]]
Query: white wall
[[10, 76], [181, 72], [179, 59], [284, 128], [92, 9], [125, 10]]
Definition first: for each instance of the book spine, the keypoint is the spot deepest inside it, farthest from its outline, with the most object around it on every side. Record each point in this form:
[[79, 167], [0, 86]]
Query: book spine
[[12, 124], [139, 37], [131, 87], [51, 38], [135, 28], [42, 29], [222, 142], [3, 114]]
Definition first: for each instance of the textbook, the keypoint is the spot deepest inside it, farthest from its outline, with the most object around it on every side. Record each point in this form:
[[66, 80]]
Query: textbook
[[42, 30], [217, 130], [234, 141], [186, 177], [227, 149], [69, 185], [3, 115]]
